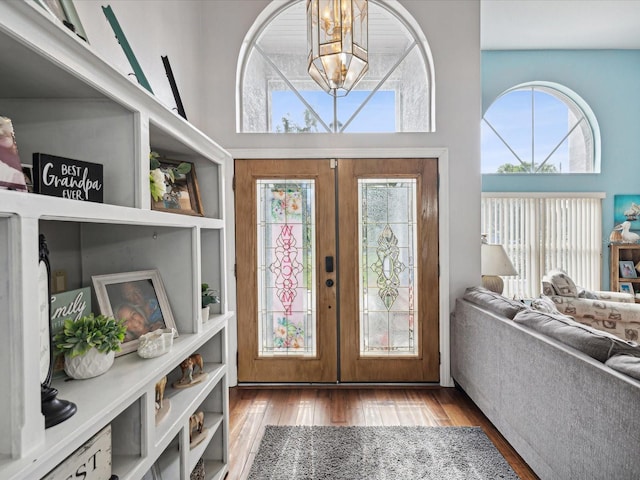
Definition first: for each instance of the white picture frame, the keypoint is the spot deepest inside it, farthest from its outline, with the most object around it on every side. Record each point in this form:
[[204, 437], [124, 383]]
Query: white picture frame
[[139, 298]]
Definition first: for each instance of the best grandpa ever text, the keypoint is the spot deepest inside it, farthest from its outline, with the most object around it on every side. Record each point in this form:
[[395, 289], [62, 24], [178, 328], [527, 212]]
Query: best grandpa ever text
[[73, 179]]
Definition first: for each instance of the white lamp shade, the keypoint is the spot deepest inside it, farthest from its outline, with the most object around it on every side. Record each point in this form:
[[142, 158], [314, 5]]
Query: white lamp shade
[[495, 261]]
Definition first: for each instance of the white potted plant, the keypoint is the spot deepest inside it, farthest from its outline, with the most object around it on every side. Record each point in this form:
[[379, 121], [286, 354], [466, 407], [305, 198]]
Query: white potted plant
[[89, 344], [209, 296]]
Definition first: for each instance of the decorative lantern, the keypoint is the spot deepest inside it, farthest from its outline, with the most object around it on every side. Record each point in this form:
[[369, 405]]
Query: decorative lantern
[[337, 40]]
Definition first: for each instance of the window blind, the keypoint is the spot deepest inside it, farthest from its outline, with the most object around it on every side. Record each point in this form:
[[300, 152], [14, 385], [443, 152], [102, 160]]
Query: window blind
[[544, 231]]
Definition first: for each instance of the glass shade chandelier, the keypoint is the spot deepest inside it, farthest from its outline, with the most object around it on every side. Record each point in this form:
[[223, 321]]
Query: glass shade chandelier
[[337, 39]]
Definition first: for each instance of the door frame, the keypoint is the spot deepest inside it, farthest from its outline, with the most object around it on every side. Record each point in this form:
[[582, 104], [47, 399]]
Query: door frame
[[441, 154]]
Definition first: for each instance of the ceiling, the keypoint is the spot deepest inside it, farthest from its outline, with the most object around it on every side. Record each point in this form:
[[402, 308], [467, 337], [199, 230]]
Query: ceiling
[[560, 24]]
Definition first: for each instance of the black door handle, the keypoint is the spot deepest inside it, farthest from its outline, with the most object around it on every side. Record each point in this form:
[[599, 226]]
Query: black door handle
[[329, 283]]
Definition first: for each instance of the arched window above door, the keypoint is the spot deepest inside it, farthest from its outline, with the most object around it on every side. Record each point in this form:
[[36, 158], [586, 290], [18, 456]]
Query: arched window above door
[[277, 95]]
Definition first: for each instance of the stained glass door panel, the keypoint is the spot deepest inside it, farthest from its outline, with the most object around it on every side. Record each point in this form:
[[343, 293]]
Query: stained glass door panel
[[388, 295], [286, 264]]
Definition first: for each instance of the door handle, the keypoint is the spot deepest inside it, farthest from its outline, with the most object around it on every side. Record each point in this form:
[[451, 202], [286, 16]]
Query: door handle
[[329, 283]]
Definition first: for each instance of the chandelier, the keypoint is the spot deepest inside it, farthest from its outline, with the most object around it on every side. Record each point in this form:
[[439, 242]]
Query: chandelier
[[337, 43]]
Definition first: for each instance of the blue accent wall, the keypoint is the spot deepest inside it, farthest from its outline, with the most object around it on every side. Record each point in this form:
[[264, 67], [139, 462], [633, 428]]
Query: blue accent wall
[[609, 82]]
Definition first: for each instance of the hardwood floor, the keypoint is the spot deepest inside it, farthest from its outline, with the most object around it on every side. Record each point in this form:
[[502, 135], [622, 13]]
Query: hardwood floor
[[251, 409]]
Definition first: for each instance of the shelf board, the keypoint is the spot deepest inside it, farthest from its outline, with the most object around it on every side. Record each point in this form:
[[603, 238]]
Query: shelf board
[[215, 470], [63, 209], [185, 401], [212, 421]]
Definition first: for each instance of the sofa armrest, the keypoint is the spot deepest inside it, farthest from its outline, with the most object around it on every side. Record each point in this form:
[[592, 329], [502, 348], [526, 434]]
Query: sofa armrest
[[620, 319], [614, 297]]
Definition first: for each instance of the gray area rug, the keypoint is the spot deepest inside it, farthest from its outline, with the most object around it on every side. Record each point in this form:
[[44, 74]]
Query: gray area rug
[[378, 453]]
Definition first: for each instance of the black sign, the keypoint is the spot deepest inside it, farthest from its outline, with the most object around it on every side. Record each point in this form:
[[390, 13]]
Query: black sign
[[67, 178]]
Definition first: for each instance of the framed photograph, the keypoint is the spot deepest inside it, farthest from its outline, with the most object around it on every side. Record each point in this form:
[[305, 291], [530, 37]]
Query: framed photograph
[[626, 287], [139, 298], [180, 191], [65, 11], [627, 269], [27, 171]]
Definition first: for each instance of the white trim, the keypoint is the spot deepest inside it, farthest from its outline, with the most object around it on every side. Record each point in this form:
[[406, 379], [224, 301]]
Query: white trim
[[442, 155], [545, 194]]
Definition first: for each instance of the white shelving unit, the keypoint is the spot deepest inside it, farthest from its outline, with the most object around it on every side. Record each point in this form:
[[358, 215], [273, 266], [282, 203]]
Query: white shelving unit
[[65, 100]]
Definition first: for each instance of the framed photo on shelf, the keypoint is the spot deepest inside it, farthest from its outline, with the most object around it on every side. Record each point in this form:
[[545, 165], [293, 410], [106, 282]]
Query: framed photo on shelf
[[627, 269], [179, 192], [626, 287], [139, 298]]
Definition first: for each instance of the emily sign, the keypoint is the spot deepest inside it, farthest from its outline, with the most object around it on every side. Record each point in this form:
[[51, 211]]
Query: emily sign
[[67, 178]]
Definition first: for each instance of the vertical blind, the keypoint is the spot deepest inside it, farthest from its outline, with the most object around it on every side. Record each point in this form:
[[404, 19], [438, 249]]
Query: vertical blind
[[544, 231]]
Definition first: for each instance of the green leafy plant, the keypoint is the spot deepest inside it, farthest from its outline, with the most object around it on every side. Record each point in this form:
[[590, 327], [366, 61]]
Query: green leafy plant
[[79, 336], [160, 177], [209, 296]]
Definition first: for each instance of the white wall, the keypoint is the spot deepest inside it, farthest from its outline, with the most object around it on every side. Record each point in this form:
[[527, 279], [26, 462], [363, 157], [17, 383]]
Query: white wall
[[203, 40]]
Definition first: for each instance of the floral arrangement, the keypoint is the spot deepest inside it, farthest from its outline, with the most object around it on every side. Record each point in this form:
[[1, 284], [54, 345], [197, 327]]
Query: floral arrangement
[[160, 177]]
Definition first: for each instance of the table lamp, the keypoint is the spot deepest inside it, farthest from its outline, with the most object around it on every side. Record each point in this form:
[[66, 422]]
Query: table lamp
[[495, 262]]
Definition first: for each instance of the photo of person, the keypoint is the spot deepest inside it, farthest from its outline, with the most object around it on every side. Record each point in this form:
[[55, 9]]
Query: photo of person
[[137, 298], [136, 303]]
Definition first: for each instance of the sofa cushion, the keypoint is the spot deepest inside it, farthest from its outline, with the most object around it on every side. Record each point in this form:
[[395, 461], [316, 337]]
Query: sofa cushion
[[562, 283], [627, 364], [595, 343], [494, 302], [544, 304]]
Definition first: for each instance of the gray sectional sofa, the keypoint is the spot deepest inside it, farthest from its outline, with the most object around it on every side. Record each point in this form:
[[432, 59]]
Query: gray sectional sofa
[[569, 415]]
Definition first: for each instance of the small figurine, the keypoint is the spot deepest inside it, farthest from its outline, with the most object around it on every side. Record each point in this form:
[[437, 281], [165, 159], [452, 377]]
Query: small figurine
[[163, 405], [192, 371], [625, 236], [188, 366], [196, 424], [160, 386]]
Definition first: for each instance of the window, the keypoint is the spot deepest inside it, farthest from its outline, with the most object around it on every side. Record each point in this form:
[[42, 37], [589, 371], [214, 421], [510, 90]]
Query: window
[[277, 95], [539, 128], [544, 231]]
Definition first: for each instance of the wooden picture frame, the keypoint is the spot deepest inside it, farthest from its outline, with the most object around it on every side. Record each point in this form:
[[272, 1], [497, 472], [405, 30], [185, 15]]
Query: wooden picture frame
[[183, 194], [626, 287], [137, 297], [627, 269]]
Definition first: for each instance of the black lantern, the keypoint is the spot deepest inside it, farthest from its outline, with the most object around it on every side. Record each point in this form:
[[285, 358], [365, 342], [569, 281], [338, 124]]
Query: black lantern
[[54, 409]]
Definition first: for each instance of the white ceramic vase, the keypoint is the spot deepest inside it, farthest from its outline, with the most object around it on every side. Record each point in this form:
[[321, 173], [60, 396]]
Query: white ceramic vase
[[91, 364], [205, 314]]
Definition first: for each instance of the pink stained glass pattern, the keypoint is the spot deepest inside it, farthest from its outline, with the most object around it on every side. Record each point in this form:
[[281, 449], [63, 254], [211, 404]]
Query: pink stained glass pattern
[[286, 267]]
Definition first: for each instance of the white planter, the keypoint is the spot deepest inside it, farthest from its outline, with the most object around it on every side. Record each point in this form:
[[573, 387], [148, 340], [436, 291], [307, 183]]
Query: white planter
[[91, 364], [205, 314]]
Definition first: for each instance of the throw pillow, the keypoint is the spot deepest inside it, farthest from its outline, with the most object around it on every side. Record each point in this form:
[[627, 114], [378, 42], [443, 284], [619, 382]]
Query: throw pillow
[[627, 364], [595, 343], [493, 301], [544, 304], [562, 283]]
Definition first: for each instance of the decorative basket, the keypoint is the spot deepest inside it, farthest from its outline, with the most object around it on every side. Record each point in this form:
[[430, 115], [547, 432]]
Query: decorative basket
[[156, 343]]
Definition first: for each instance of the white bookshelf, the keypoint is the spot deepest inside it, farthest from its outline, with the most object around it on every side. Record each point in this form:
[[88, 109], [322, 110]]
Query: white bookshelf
[[65, 100]]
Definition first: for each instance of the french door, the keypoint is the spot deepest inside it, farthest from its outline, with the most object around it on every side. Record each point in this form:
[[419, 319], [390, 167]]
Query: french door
[[337, 270]]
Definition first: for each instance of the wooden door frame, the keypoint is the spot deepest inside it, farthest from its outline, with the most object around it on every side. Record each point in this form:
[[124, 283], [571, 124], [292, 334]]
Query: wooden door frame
[[442, 154]]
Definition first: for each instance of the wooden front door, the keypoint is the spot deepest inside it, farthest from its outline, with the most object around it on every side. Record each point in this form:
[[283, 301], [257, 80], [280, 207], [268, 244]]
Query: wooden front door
[[359, 306]]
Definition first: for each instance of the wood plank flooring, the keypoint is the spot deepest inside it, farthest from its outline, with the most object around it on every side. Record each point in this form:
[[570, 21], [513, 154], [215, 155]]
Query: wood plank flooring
[[251, 409]]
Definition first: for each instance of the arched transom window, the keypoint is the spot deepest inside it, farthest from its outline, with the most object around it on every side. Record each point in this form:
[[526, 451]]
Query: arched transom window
[[539, 128], [277, 95]]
